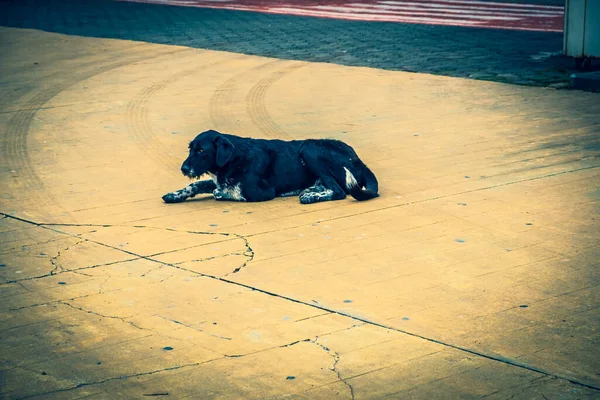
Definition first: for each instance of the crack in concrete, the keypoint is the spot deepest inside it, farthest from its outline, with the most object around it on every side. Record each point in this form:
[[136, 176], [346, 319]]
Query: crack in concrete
[[177, 367], [23, 286], [122, 377], [54, 260], [293, 343], [82, 274], [100, 315], [315, 341], [55, 271], [101, 287], [20, 247], [336, 360], [268, 349], [215, 257], [47, 303], [100, 291], [29, 369], [489, 356], [312, 316], [249, 252], [191, 327], [531, 384], [26, 325]]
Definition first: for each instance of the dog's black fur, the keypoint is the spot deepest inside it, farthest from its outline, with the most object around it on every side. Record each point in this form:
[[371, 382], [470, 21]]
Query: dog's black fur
[[244, 169]]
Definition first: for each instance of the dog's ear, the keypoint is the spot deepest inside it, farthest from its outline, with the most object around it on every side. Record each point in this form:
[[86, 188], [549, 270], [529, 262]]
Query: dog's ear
[[224, 150]]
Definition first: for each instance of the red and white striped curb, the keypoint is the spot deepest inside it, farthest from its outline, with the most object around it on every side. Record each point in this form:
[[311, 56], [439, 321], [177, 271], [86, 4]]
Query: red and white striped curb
[[473, 13]]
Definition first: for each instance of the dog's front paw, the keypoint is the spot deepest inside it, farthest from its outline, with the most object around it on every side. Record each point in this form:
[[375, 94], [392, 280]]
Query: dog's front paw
[[173, 197], [219, 195]]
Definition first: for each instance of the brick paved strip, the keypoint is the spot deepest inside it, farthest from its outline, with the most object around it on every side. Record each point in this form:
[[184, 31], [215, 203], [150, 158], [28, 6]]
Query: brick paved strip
[[469, 13]]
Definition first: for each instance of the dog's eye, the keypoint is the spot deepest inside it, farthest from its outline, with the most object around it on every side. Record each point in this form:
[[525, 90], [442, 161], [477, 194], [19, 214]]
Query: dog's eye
[[199, 151]]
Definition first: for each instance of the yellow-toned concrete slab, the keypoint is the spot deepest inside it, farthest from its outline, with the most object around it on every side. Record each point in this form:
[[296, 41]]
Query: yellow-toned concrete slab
[[475, 274]]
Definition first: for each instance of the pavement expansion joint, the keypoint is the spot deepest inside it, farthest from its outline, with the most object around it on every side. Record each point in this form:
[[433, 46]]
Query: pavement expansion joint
[[489, 356]]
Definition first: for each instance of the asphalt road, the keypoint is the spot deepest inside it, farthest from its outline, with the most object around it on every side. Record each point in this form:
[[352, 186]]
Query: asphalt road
[[520, 57]]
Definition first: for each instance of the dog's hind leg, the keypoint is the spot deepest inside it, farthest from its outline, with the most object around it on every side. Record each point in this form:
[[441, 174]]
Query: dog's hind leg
[[327, 187], [206, 186], [316, 187], [330, 190]]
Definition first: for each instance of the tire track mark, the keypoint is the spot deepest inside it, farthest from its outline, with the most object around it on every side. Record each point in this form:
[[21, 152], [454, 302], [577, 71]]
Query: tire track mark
[[256, 102], [139, 124], [39, 78], [219, 108], [15, 151]]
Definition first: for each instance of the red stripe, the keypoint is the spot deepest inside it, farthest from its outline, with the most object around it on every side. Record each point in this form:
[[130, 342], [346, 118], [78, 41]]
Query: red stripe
[[428, 16]]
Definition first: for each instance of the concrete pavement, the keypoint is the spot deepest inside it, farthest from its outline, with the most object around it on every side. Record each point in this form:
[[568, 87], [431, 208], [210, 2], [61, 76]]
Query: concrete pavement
[[475, 274]]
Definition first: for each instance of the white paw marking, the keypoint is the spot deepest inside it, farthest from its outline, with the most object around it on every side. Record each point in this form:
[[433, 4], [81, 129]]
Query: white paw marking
[[179, 194], [187, 191]]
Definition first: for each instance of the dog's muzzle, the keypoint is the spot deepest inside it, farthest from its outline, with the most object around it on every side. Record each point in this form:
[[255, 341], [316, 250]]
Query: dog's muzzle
[[187, 171]]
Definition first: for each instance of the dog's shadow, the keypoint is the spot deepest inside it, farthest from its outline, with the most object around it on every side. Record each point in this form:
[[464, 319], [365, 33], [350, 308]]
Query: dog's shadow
[[201, 199], [208, 198]]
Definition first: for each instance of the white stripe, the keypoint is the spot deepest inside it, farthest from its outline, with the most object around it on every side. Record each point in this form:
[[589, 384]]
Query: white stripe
[[391, 18], [488, 3], [435, 13], [460, 9]]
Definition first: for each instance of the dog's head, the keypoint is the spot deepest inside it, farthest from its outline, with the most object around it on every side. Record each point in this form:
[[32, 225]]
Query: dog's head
[[209, 152]]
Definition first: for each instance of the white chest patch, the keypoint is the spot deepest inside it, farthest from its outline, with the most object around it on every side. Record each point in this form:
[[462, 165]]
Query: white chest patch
[[226, 191], [231, 192], [213, 177], [234, 192]]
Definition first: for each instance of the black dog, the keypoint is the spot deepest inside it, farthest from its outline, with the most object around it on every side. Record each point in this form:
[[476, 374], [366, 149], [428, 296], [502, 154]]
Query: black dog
[[244, 169]]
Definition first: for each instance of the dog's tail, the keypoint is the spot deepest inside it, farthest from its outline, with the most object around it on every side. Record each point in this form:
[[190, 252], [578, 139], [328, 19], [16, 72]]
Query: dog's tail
[[367, 190]]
